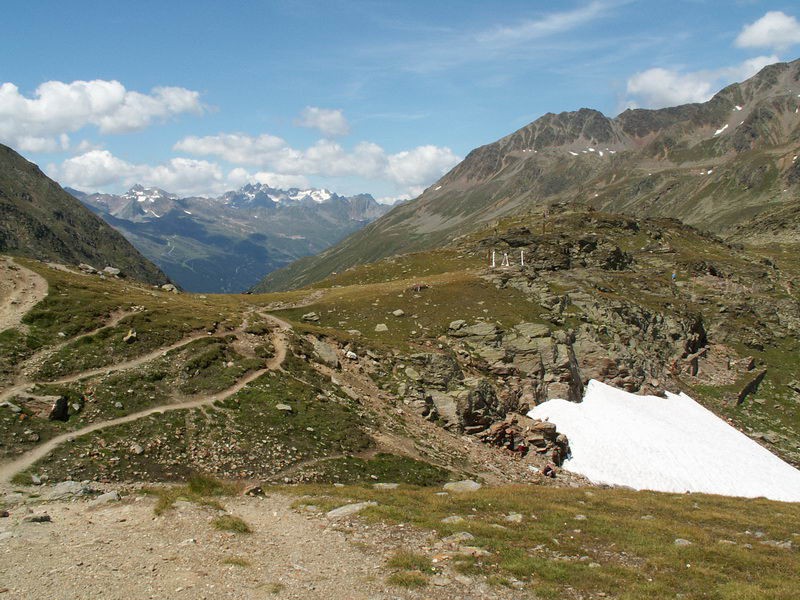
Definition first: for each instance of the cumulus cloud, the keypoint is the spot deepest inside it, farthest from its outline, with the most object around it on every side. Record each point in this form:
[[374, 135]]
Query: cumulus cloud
[[330, 122], [406, 169], [775, 30], [101, 170], [658, 87], [38, 123]]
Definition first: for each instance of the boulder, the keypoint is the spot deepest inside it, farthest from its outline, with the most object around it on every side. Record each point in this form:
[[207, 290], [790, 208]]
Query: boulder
[[467, 485], [381, 327], [399, 312], [325, 353], [112, 271], [310, 317], [59, 411], [436, 369], [348, 510]]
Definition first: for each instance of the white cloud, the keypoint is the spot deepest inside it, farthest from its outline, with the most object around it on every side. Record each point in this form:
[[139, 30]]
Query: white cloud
[[548, 25], [775, 30], [37, 123], [658, 87], [330, 122], [234, 147], [100, 170], [406, 169]]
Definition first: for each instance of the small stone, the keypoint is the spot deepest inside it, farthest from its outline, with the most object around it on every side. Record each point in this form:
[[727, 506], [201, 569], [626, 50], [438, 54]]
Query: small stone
[[458, 538], [106, 498], [348, 510], [682, 542], [117, 404], [137, 449], [283, 407], [453, 519], [385, 486], [381, 327], [580, 517], [440, 581], [399, 312], [350, 355], [310, 317], [467, 485], [513, 517], [37, 519]]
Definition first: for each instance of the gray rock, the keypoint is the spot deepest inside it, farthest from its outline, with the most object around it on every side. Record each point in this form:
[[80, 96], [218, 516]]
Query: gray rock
[[348, 510], [399, 312], [513, 517], [106, 498], [350, 355], [168, 287], [385, 486], [453, 519], [113, 271], [532, 330], [381, 327], [467, 485], [137, 449], [283, 407], [682, 542], [65, 489], [458, 538], [310, 317], [456, 325], [325, 353]]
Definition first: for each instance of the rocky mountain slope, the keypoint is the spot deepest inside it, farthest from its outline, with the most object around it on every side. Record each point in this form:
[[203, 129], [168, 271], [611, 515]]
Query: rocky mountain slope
[[416, 370], [40, 220], [714, 165], [227, 244]]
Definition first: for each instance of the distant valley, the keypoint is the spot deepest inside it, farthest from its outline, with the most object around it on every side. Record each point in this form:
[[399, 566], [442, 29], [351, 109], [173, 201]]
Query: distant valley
[[229, 243]]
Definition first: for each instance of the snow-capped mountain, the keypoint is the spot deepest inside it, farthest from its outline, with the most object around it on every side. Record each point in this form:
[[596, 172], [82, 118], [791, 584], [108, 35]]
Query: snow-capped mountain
[[228, 243]]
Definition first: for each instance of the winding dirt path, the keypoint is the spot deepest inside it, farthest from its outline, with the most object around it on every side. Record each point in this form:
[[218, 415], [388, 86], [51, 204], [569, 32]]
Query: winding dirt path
[[279, 341], [20, 290]]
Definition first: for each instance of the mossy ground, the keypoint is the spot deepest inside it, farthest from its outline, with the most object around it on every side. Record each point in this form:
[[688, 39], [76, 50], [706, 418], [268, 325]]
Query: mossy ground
[[575, 543]]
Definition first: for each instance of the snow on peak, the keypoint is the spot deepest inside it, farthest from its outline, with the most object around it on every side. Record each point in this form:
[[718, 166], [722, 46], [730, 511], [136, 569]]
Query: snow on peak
[[148, 194], [670, 444]]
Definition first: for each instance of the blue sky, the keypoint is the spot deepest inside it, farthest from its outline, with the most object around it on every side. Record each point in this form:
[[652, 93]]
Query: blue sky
[[357, 96]]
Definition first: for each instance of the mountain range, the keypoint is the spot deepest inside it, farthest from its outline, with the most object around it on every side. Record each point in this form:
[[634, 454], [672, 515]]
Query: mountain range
[[226, 244], [721, 165]]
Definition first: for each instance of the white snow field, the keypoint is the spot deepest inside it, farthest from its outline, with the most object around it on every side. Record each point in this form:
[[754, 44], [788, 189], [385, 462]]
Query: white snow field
[[667, 444]]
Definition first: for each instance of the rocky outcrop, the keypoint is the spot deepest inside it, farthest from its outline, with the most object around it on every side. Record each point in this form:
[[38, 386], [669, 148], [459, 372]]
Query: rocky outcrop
[[522, 435]]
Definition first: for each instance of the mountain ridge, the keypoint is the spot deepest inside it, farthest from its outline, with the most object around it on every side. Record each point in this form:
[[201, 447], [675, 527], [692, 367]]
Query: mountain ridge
[[227, 243], [713, 164]]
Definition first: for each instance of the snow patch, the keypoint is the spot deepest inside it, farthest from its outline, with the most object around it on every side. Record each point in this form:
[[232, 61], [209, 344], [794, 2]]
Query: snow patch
[[738, 107], [721, 129], [187, 212], [667, 444], [573, 153], [438, 187]]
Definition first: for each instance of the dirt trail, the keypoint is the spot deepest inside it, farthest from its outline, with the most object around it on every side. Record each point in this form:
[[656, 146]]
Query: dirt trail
[[9, 469], [20, 290]]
